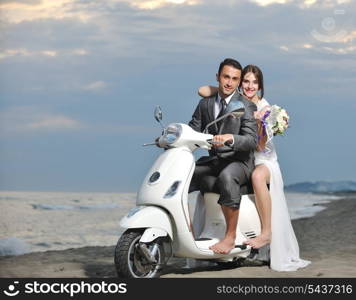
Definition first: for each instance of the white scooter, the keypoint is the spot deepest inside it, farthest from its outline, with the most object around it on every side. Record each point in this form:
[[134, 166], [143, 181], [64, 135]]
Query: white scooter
[[160, 226]]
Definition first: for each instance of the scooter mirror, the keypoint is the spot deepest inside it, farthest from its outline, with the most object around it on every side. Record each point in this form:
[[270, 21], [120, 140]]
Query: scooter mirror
[[238, 112], [158, 114]]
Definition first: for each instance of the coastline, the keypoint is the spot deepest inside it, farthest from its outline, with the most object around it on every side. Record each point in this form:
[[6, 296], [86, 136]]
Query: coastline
[[328, 239]]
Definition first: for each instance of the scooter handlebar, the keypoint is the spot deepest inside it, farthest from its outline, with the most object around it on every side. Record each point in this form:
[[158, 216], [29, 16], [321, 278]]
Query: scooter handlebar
[[227, 143], [187, 136]]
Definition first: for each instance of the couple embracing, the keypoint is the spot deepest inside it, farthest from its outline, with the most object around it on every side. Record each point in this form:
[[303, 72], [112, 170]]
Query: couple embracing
[[245, 163]]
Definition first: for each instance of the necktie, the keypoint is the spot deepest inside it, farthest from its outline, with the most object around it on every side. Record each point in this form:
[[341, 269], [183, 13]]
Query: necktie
[[222, 110], [223, 106]]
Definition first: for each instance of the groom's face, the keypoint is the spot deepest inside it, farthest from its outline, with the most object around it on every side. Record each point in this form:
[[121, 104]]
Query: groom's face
[[229, 80]]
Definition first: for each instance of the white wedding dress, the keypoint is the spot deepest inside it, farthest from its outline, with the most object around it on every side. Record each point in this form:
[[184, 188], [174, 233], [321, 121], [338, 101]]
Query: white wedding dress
[[283, 249]]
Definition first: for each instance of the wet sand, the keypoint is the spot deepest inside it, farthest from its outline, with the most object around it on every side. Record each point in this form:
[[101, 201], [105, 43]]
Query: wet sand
[[327, 239]]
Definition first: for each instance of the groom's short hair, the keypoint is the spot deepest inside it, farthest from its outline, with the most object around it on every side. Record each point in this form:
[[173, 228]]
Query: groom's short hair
[[229, 62]]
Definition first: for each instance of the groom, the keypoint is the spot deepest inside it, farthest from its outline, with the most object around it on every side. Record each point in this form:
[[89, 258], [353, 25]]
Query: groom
[[230, 166]]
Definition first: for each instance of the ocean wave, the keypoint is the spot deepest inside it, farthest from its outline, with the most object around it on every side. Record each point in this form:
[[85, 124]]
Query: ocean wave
[[306, 205], [13, 246], [74, 207]]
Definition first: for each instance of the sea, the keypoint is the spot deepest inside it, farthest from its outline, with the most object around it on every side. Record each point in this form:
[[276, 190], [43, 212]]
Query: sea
[[42, 221]]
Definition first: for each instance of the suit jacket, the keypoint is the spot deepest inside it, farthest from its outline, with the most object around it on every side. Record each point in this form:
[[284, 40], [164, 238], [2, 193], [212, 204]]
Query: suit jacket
[[244, 130]]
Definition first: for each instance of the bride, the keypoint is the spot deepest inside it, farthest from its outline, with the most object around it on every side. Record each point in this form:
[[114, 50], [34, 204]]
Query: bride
[[276, 228]]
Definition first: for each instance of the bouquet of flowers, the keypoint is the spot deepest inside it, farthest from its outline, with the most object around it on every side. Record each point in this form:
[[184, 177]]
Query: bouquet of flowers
[[277, 119], [274, 120]]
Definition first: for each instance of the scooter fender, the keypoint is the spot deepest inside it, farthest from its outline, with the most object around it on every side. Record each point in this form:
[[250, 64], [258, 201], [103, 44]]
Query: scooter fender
[[151, 234], [154, 218]]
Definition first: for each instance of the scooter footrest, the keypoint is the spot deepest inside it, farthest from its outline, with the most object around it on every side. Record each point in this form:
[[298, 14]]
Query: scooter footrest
[[205, 243], [242, 247]]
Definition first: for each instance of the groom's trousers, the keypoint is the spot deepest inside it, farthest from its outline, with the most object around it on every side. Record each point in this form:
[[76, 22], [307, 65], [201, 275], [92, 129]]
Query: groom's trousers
[[228, 177]]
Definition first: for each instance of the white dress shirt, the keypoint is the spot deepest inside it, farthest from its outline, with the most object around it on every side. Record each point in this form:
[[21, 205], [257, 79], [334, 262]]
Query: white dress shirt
[[218, 104]]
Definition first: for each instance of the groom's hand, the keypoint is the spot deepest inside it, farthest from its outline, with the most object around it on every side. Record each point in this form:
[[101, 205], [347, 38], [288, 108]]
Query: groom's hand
[[223, 139]]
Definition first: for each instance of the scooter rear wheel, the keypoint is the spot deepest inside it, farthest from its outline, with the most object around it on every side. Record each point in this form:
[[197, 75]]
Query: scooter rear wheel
[[130, 262]]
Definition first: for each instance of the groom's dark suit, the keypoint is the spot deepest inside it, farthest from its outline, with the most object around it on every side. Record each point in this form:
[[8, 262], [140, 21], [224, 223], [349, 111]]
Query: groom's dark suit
[[232, 166]]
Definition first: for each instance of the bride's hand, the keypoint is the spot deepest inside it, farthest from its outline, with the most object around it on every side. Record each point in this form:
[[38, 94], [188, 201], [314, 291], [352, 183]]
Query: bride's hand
[[207, 91], [259, 114]]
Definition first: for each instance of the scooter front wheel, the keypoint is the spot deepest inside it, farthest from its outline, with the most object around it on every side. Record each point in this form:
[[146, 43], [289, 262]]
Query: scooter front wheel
[[137, 260]]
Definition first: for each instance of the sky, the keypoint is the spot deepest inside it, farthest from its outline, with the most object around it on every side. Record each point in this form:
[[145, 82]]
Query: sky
[[79, 81]]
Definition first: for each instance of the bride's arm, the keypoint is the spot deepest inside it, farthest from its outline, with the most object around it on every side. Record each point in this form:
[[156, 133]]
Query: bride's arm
[[207, 91]]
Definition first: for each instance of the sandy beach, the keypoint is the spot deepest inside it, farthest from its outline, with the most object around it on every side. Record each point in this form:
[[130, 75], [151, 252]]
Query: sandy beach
[[328, 239]]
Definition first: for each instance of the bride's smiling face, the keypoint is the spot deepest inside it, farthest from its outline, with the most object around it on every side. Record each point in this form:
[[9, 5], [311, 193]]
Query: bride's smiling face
[[249, 85]]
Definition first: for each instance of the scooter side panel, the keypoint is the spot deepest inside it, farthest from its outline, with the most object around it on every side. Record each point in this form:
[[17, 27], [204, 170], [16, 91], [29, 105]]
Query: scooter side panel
[[173, 166], [249, 221]]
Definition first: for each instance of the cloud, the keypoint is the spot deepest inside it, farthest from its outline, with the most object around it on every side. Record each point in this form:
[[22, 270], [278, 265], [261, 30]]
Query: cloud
[[22, 2], [18, 11], [32, 120], [26, 119], [23, 52], [269, 2], [155, 4], [14, 52], [95, 86], [86, 11], [349, 37], [49, 53], [342, 51], [284, 48], [303, 3], [121, 28], [80, 52], [54, 122], [87, 56], [64, 59]]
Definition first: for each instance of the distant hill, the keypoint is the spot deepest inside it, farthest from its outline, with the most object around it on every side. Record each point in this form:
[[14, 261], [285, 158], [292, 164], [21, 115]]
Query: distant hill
[[322, 187]]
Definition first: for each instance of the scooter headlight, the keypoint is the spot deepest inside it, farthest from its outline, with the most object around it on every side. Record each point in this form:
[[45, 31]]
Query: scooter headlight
[[172, 133]]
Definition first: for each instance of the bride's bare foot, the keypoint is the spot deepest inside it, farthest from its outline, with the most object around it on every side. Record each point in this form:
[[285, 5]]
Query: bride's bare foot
[[224, 246], [259, 241]]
